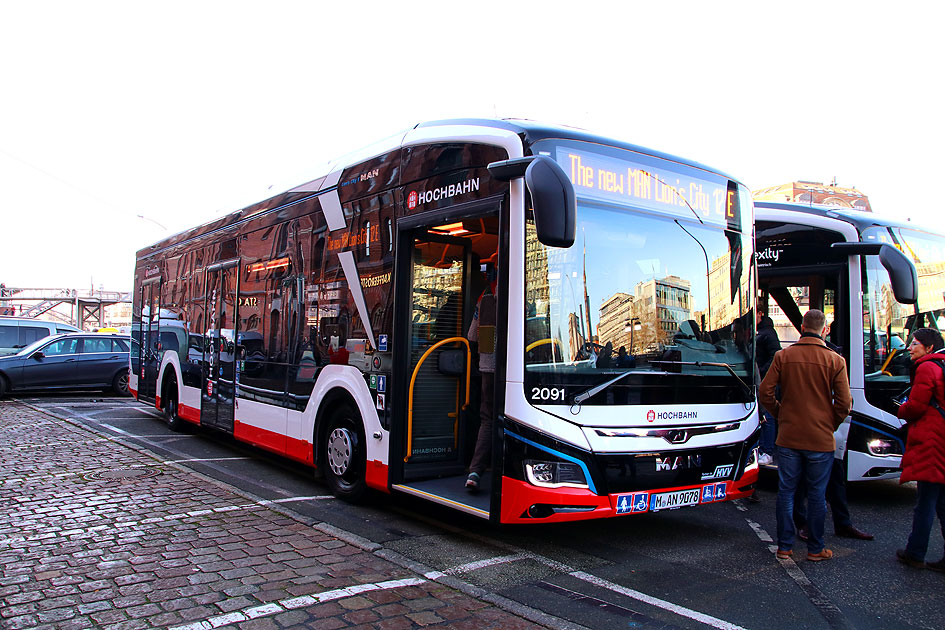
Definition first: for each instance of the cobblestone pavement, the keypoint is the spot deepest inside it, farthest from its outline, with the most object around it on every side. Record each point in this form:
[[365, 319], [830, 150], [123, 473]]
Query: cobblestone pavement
[[94, 534]]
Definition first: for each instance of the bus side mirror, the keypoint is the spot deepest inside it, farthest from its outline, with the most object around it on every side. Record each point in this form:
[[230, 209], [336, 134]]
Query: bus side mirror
[[552, 194], [902, 274]]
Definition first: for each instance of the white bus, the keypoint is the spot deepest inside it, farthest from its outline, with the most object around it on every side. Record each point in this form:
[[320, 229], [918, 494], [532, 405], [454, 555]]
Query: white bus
[[328, 323], [877, 280]]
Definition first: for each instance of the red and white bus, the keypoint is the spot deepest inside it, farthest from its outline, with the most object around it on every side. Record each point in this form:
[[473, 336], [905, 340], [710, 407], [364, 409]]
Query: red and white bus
[[328, 323]]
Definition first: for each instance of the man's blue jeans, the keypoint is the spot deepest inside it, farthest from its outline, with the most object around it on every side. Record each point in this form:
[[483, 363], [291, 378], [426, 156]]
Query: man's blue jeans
[[769, 431], [929, 501], [814, 467]]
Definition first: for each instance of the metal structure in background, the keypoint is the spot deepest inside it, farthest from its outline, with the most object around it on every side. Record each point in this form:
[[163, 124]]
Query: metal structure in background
[[86, 307]]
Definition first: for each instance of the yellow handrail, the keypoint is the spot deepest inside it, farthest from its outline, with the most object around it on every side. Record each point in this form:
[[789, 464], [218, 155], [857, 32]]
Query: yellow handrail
[[542, 342], [888, 359], [413, 380]]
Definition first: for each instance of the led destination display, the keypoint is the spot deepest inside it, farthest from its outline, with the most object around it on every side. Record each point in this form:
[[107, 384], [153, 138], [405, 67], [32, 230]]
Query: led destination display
[[651, 186]]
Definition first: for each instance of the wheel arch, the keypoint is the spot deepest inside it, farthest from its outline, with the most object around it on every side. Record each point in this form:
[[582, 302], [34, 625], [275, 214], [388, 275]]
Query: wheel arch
[[170, 364], [332, 400], [336, 383]]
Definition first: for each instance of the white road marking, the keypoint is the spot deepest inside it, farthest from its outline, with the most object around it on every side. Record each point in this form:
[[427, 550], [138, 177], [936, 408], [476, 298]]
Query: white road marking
[[828, 609], [320, 497], [520, 554], [296, 602], [473, 566], [204, 459], [659, 603]]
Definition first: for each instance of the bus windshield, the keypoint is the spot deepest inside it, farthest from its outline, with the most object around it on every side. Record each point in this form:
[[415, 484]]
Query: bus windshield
[[887, 324], [663, 298]]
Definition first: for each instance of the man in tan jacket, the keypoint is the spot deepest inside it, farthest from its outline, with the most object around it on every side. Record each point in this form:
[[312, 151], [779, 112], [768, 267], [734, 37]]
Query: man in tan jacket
[[815, 399]]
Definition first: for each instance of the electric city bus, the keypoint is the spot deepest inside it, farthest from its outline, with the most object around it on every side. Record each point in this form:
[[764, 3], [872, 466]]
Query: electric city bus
[[877, 280], [329, 323]]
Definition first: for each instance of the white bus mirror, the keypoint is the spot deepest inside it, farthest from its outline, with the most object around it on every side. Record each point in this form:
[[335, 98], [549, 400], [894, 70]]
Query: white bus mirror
[[902, 273], [552, 196]]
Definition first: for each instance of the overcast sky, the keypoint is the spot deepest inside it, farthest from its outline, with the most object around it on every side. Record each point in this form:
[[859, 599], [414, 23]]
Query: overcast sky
[[181, 111]]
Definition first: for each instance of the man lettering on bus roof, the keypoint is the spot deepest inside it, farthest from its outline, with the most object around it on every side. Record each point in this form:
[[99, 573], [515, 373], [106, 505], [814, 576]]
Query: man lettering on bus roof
[[815, 399], [482, 331]]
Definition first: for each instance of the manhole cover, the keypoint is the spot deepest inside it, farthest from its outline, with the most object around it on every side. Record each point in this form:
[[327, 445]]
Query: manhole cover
[[121, 473]]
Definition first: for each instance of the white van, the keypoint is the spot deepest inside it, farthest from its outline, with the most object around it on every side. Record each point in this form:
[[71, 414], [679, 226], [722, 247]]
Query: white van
[[18, 332]]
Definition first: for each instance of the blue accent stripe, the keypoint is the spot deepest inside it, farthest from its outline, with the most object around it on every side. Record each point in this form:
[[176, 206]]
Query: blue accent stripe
[[574, 460]]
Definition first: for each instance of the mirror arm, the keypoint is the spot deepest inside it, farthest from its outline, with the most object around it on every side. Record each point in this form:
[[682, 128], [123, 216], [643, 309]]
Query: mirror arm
[[507, 170]]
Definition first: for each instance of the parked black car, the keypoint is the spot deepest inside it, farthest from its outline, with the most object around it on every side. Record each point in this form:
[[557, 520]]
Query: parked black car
[[68, 361]]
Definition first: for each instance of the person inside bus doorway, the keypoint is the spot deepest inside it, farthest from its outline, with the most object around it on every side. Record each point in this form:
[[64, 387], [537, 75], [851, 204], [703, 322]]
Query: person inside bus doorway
[[766, 345], [482, 331]]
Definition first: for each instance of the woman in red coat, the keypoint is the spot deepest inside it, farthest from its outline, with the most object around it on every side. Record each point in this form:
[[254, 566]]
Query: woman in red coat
[[924, 459]]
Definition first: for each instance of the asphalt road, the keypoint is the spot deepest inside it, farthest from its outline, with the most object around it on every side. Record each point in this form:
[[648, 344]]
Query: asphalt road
[[711, 566]]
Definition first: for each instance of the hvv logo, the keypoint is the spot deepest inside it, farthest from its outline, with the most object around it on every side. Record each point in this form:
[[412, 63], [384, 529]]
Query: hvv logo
[[720, 472]]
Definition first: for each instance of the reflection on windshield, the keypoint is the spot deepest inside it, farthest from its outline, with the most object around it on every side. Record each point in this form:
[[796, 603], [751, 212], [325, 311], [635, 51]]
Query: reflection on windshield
[[637, 292], [887, 324]]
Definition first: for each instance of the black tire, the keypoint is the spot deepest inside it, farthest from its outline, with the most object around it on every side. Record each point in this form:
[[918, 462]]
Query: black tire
[[170, 405], [344, 454], [120, 384], [4, 387]]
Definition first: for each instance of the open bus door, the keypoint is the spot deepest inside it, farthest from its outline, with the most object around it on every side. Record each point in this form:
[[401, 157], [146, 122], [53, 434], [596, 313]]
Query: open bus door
[[220, 365], [146, 337], [437, 381]]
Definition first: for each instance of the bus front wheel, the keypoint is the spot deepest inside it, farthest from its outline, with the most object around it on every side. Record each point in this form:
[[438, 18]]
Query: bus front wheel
[[343, 457]]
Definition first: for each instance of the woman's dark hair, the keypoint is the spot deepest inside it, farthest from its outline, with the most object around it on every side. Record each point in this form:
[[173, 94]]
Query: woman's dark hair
[[930, 338]]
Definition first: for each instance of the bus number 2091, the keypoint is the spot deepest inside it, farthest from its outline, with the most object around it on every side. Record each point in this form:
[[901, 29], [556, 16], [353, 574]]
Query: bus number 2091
[[553, 394]]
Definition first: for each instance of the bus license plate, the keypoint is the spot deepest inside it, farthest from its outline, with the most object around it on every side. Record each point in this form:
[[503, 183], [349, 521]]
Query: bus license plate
[[676, 499]]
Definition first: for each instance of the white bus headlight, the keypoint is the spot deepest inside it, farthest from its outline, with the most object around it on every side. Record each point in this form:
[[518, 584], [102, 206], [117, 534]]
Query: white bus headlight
[[884, 447], [555, 474]]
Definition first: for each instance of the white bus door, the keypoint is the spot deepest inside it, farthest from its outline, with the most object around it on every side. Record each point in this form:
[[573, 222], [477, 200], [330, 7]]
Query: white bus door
[[147, 337], [221, 376], [439, 377], [437, 382]]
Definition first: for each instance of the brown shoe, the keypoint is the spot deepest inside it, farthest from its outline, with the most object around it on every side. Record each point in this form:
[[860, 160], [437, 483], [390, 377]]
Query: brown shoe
[[909, 560], [784, 554], [936, 566], [825, 554], [852, 532]]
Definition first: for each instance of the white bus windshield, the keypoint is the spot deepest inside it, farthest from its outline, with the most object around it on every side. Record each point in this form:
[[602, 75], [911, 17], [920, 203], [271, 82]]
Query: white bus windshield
[[664, 295]]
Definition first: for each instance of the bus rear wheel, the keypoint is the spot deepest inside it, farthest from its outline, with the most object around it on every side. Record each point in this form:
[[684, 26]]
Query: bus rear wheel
[[170, 405], [343, 457]]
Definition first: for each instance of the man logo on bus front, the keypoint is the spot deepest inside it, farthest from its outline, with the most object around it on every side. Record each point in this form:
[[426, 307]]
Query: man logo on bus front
[[650, 416]]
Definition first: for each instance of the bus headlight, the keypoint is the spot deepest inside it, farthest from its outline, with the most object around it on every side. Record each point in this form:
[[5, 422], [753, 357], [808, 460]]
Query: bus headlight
[[555, 474], [884, 447], [751, 462]]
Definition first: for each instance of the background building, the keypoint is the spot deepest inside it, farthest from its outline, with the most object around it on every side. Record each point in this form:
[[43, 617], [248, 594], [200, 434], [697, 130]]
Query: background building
[[815, 192], [660, 305], [616, 314]]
